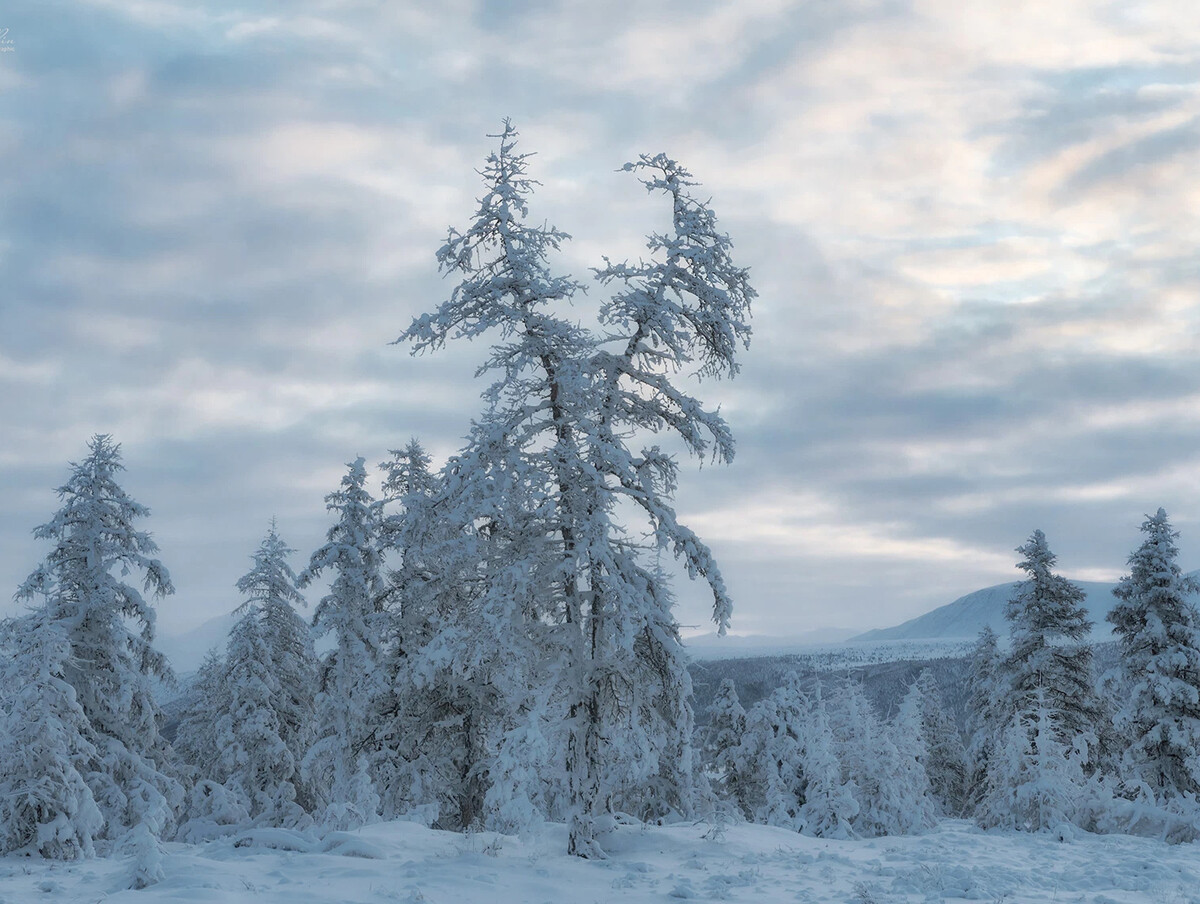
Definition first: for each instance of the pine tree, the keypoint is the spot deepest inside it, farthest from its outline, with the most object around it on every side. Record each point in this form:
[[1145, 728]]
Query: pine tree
[[286, 642], [989, 710], [45, 803], [336, 764], [109, 627], [1159, 632], [946, 759], [1050, 653], [1034, 784], [829, 805], [196, 734], [882, 765], [723, 735], [537, 489], [770, 757]]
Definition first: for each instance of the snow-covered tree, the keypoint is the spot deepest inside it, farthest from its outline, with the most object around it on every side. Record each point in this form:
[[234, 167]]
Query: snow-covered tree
[[336, 764], [722, 736], [1159, 632], [881, 764], [286, 642], [1034, 782], [253, 757], [1050, 653], [829, 805], [988, 709], [770, 757], [196, 734], [46, 805], [546, 469], [945, 760], [109, 627]]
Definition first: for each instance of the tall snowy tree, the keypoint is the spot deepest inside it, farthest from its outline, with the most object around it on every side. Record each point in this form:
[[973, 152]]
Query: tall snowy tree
[[881, 763], [45, 803], [284, 639], [988, 711], [337, 763], [1159, 632], [1050, 652], [548, 466], [945, 760], [1033, 783], [111, 661], [723, 735]]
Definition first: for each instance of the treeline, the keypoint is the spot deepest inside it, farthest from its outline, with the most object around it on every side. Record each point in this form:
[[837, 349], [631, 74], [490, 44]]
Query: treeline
[[1050, 744]]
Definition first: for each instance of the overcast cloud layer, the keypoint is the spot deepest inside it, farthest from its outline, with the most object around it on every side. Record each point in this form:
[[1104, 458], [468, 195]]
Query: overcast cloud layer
[[974, 234]]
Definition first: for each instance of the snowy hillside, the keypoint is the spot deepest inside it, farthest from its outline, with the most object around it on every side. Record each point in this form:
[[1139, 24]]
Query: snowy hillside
[[403, 862], [966, 616]]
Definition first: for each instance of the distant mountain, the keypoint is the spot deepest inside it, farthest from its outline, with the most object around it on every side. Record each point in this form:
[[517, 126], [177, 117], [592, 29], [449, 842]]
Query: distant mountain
[[187, 649], [966, 616], [713, 646]]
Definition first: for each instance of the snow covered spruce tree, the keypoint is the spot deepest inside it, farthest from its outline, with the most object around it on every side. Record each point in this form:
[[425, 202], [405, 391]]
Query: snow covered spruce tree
[[271, 600], [446, 665], [109, 661], [336, 766], [46, 805], [1159, 632], [261, 709], [945, 758], [988, 708], [548, 466], [1050, 654], [723, 735]]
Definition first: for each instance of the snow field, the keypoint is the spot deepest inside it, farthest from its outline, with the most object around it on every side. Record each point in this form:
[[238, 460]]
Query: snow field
[[405, 862]]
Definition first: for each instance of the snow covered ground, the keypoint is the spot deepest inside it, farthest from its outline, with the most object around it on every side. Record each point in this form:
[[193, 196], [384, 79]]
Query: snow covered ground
[[407, 863]]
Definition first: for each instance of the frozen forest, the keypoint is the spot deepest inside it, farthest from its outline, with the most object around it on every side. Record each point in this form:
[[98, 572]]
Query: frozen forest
[[487, 645]]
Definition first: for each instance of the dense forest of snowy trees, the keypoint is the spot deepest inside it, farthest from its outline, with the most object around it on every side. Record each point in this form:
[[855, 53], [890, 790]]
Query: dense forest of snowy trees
[[500, 648]]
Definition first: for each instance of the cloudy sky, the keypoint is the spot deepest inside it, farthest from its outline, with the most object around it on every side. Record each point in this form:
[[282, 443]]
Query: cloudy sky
[[973, 228]]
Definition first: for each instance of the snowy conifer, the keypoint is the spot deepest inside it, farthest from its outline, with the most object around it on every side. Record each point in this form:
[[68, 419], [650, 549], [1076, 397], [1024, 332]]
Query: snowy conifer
[[46, 805], [1034, 782], [336, 764], [881, 764], [989, 710], [109, 628], [1050, 653], [723, 735], [771, 760], [1159, 632], [286, 642], [829, 806], [548, 463], [946, 759]]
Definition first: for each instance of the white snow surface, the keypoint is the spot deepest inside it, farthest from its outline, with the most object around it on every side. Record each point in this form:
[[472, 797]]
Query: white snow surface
[[403, 861]]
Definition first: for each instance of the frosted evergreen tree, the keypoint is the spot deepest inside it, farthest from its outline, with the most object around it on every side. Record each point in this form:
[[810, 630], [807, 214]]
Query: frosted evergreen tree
[[771, 757], [271, 598], [46, 805], [1159, 632], [548, 464], [1034, 782], [946, 759], [1050, 653], [880, 763], [109, 628], [723, 735], [910, 790], [196, 734], [829, 806], [337, 763], [254, 759], [989, 711]]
